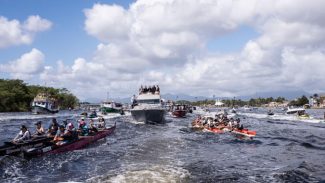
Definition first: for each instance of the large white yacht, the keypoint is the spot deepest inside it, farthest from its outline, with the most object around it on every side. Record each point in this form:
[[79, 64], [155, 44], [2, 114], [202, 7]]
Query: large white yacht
[[148, 108]]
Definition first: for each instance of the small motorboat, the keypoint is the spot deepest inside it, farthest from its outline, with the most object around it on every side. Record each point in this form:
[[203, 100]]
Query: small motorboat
[[179, 111], [294, 110]]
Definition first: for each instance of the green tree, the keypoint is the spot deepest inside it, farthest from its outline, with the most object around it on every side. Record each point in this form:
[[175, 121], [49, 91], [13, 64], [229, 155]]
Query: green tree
[[15, 96]]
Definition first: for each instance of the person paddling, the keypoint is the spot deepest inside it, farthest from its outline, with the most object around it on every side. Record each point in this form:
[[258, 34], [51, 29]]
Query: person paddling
[[53, 128], [23, 135], [39, 129], [92, 127], [83, 128], [101, 123], [59, 134]]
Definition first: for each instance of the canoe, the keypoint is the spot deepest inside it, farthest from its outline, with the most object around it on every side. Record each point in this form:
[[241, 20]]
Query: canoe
[[11, 148], [80, 143], [244, 132], [214, 130]]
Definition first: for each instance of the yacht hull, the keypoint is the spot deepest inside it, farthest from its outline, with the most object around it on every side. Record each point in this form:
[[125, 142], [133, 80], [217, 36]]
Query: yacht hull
[[149, 115]]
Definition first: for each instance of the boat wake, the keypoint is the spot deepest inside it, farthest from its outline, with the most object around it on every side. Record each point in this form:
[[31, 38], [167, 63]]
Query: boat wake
[[156, 173], [28, 116], [281, 117], [10, 168]]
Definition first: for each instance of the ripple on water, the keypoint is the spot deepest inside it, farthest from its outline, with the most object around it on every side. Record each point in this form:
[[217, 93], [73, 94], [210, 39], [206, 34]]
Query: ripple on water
[[173, 152], [302, 173]]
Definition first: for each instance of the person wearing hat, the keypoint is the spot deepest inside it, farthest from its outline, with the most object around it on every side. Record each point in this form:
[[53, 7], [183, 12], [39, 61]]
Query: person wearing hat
[[39, 129], [23, 135]]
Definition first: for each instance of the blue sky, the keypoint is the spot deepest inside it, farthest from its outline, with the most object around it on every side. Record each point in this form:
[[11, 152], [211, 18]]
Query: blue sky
[[66, 40], [213, 47], [233, 41]]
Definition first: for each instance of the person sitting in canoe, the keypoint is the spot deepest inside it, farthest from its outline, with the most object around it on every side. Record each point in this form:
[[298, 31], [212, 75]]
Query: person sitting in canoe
[[23, 135], [59, 135], [83, 128], [63, 136], [39, 129], [101, 123], [53, 128], [92, 127], [65, 123]]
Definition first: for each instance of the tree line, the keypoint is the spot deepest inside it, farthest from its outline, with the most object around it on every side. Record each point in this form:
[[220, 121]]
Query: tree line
[[16, 96], [255, 102]]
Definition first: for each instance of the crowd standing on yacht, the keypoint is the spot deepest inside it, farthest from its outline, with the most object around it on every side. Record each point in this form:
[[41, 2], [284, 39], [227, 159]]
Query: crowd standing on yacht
[[150, 89]]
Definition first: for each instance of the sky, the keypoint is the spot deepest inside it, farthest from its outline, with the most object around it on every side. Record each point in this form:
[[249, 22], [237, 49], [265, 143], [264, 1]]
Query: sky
[[205, 47]]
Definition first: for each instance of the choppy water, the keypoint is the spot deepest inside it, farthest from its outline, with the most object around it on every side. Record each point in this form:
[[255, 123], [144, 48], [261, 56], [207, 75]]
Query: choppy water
[[286, 149]]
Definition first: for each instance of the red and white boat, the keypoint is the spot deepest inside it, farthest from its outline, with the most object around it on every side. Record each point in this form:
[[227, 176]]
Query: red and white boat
[[179, 111]]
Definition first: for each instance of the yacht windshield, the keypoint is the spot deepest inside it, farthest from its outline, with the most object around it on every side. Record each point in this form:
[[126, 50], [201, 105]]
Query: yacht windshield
[[150, 101]]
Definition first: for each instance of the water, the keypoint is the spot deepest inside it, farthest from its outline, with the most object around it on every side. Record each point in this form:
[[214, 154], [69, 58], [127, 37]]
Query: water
[[286, 149]]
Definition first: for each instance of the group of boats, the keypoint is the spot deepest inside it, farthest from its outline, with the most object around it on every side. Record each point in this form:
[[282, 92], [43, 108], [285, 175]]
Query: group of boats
[[147, 107], [220, 123], [300, 112]]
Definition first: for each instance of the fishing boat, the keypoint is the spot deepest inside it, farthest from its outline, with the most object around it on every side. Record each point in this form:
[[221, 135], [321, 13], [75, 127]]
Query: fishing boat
[[44, 104], [80, 143], [179, 111], [148, 108], [111, 107]]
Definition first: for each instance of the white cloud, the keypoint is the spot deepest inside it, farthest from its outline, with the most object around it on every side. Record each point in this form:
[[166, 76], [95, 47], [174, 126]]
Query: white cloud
[[28, 65], [107, 22], [37, 24], [12, 32], [164, 42]]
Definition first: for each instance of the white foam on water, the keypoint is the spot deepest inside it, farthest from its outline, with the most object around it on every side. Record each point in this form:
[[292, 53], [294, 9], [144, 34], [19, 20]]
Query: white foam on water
[[136, 122], [157, 173], [33, 116], [282, 117]]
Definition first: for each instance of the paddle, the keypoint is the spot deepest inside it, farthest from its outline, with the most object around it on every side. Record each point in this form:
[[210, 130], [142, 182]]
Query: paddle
[[10, 143]]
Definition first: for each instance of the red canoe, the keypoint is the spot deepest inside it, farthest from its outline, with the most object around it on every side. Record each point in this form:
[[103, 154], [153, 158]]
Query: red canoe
[[244, 132], [215, 130], [82, 142]]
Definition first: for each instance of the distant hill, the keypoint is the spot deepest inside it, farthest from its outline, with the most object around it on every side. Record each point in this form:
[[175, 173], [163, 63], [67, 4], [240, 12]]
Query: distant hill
[[169, 96], [290, 95]]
